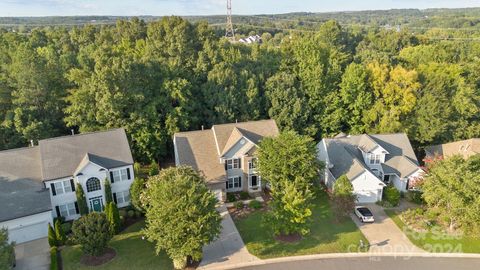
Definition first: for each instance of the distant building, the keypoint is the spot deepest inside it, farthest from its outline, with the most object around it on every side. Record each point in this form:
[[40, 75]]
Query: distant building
[[251, 39], [466, 149]]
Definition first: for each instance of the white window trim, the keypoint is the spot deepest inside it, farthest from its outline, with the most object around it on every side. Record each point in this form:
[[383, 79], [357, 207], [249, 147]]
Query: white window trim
[[67, 209], [234, 179], [123, 194], [120, 175], [62, 189], [231, 163]]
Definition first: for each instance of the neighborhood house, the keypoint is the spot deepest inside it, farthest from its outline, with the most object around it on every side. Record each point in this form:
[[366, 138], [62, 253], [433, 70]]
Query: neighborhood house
[[370, 162], [38, 183], [466, 149], [225, 154]]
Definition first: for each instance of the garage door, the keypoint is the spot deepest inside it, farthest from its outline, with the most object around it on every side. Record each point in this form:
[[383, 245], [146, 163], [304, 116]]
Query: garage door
[[368, 196], [28, 232]]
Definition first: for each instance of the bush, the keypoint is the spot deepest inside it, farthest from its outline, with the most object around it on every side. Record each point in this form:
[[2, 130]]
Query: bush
[[391, 195], [53, 258], [138, 214], [52, 237], [7, 251], [131, 213], [59, 233], [67, 227], [136, 189], [113, 217], [122, 213], [244, 195], [414, 196], [93, 233], [239, 205], [255, 204], [231, 197], [154, 169]]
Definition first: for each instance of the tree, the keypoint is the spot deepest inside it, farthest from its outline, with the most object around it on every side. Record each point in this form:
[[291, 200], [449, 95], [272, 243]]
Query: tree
[[391, 195], [136, 190], [288, 157], [93, 233], [108, 192], [113, 216], [451, 189], [81, 200], [7, 251], [178, 201], [52, 236], [59, 233], [343, 198]]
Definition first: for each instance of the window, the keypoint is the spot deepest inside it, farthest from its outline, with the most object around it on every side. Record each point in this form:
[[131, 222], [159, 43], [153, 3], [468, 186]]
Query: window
[[120, 175], [67, 210], [122, 197], [93, 184], [252, 164], [374, 159], [62, 187], [234, 163], [234, 182]]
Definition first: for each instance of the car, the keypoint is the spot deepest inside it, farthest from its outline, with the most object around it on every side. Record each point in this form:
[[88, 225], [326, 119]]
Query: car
[[364, 214]]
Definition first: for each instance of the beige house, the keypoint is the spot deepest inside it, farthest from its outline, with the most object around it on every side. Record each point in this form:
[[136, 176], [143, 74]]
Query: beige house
[[225, 154], [466, 149]]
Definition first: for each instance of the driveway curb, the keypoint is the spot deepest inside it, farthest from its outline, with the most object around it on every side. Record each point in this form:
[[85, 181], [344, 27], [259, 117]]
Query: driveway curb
[[346, 255]]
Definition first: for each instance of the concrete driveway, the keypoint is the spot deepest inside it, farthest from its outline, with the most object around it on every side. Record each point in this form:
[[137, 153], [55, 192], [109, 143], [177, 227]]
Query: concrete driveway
[[228, 249], [384, 235], [33, 255]]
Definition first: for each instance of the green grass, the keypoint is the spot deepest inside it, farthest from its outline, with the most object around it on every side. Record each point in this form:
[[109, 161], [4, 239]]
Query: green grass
[[435, 241], [132, 253], [326, 235]]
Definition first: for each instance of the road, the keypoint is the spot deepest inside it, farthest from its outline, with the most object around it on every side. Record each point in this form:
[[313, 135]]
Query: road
[[373, 263]]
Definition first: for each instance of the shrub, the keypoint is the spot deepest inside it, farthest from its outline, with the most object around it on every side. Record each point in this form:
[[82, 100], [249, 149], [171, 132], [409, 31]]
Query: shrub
[[137, 168], [108, 192], [67, 227], [7, 251], [81, 200], [244, 195], [136, 189], [154, 169], [231, 197], [113, 217], [93, 233], [54, 258], [131, 213], [414, 196], [138, 214], [239, 205], [52, 237], [255, 204], [391, 195], [122, 213], [59, 233]]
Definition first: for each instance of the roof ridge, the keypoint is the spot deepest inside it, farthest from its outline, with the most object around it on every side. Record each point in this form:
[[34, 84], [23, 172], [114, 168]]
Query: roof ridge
[[81, 134], [18, 149]]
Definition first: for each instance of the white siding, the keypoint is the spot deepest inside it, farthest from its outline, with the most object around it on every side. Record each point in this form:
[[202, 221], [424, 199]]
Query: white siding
[[28, 228], [367, 187], [123, 185], [61, 199]]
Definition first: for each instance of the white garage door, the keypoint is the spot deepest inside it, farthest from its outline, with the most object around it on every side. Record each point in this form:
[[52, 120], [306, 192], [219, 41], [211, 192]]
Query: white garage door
[[368, 196], [28, 232]]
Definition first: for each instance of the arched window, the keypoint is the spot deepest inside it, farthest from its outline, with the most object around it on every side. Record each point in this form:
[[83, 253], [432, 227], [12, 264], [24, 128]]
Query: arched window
[[93, 184]]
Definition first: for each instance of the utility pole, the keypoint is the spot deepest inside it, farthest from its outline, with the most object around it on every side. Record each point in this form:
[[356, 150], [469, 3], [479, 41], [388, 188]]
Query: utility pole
[[229, 33]]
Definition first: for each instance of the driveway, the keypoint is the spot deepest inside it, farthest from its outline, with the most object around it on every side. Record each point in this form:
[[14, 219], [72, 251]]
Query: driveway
[[33, 255], [228, 249], [384, 235]]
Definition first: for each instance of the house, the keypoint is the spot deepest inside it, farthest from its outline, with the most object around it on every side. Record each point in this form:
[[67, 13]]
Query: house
[[466, 149], [370, 162], [251, 39], [38, 183], [225, 154]]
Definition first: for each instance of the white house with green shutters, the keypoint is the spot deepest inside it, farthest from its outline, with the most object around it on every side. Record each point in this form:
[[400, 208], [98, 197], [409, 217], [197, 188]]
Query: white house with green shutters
[[38, 183]]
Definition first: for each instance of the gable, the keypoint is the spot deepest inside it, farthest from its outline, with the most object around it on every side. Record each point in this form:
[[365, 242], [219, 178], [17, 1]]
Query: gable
[[240, 148]]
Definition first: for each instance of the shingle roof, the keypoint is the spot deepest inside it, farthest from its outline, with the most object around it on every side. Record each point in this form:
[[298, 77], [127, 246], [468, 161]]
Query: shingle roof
[[202, 149], [347, 159], [464, 148], [61, 156], [22, 192]]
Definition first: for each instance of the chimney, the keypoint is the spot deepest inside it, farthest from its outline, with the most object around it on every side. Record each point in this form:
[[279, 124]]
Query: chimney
[[236, 121], [73, 131], [31, 143], [202, 127]]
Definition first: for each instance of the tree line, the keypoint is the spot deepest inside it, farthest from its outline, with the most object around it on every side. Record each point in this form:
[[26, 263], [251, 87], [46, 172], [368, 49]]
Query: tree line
[[161, 77]]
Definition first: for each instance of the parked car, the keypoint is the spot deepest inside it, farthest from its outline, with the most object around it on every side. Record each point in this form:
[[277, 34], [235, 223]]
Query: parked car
[[364, 214]]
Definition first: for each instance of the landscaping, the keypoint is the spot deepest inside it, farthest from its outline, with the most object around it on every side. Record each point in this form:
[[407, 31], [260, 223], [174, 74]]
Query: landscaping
[[434, 239], [326, 235], [132, 252]]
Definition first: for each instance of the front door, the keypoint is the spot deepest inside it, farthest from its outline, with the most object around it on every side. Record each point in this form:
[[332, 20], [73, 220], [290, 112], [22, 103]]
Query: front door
[[96, 204], [253, 181]]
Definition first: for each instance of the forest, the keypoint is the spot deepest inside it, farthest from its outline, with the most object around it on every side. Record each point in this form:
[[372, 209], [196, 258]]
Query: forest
[[158, 77]]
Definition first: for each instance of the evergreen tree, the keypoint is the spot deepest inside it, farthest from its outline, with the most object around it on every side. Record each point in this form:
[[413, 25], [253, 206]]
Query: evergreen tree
[[52, 236], [108, 192], [136, 189], [343, 198], [113, 217], [81, 200], [59, 233]]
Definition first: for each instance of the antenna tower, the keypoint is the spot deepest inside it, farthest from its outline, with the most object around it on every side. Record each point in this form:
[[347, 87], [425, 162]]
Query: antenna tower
[[229, 33]]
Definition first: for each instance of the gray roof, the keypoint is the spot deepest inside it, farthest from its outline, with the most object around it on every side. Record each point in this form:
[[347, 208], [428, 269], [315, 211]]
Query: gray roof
[[61, 156], [202, 149], [344, 153], [23, 170], [22, 192]]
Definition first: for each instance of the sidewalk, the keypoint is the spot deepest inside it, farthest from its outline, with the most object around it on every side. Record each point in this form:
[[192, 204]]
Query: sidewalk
[[228, 249]]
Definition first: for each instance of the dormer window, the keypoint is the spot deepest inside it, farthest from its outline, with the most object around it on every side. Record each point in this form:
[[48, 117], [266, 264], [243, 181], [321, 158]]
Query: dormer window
[[374, 159]]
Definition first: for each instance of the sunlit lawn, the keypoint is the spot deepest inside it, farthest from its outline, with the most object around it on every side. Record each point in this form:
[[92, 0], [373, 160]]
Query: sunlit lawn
[[326, 235]]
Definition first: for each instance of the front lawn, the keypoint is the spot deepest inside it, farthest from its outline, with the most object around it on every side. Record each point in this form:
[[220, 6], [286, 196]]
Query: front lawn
[[435, 240], [132, 253], [326, 235]]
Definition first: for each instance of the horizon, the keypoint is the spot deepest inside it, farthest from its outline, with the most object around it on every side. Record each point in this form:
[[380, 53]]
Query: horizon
[[159, 8]]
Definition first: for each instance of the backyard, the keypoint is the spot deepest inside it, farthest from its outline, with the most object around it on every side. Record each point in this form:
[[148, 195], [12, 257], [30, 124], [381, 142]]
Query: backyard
[[435, 240], [326, 235], [132, 253]]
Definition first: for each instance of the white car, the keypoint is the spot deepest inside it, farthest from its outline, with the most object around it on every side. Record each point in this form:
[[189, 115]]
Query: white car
[[364, 214]]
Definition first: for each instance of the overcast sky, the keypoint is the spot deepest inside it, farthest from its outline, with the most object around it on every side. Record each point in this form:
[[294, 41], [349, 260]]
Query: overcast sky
[[208, 7]]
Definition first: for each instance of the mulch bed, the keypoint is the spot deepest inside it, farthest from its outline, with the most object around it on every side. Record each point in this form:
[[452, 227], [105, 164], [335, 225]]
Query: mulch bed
[[292, 238], [98, 260]]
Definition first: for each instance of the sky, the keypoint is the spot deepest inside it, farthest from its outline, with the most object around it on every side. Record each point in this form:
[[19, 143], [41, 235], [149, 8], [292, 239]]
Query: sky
[[208, 7]]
